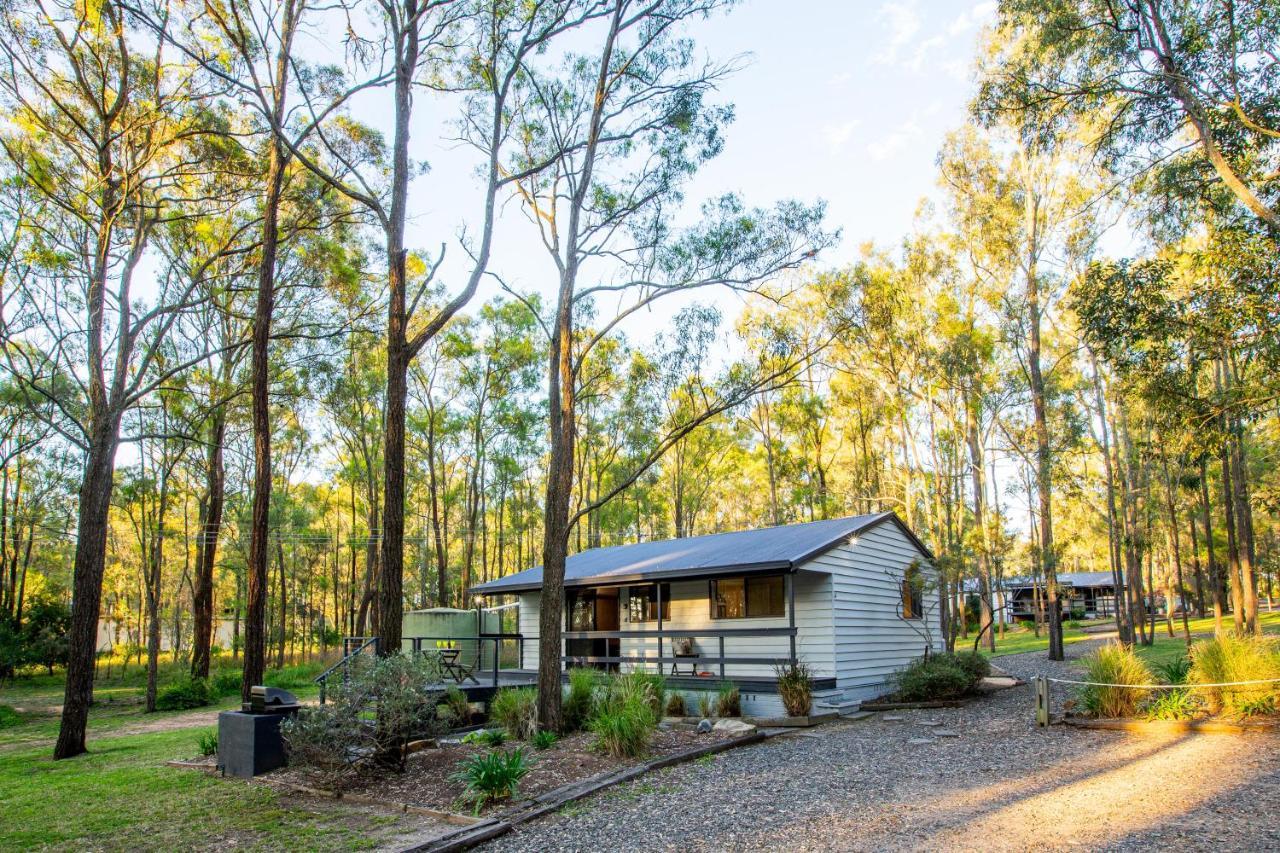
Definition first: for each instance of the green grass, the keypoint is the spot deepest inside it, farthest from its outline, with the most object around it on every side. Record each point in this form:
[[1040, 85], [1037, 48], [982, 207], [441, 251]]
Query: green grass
[[121, 796], [1164, 649]]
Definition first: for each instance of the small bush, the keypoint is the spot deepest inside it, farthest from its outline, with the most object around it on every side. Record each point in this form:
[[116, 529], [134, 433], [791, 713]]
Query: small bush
[[576, 708], [1174, 671], [1074, 623], [455, 703], [624, 719], [544, 740], [226, 682], [706, 705], [657, 689], [183, 695], [1263, 706], [1027, 624], [488, 737], [1231, 658], [337, 738], [795, 688], [728, 700], [1077, 615], [9, 717], [1114, 664], [1173, 705], [208, 742], [935, 678], [516, 711], [492, 776], [675, 705], [975, 664]]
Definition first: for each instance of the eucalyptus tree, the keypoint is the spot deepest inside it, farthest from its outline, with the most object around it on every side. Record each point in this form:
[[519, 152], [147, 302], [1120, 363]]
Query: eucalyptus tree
[[623, 128], [105, 133], [1148, 72]]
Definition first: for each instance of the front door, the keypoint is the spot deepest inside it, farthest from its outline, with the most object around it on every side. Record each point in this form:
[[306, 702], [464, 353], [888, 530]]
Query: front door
[[593, 610]]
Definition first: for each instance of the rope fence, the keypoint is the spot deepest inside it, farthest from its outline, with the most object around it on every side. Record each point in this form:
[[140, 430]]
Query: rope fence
[[1042, 683]]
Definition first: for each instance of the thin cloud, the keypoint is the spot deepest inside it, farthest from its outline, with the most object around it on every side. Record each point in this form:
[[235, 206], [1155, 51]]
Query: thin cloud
[[903, 22]]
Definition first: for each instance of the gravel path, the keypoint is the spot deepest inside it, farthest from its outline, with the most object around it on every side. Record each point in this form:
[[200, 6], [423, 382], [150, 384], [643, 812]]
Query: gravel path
[[999, 784]]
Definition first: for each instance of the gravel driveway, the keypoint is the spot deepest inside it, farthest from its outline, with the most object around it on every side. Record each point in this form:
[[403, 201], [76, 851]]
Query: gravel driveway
[[998, 784]]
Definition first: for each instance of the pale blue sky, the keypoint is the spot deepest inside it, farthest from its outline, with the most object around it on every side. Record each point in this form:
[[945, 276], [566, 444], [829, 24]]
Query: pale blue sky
[[844, 101]]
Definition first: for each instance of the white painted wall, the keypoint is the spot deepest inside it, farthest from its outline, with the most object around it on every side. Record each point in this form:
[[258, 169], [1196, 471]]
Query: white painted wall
[[871, 640]]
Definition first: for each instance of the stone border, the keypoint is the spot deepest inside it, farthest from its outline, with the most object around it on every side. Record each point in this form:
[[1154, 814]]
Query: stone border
[[551, 801], [1163, 727]]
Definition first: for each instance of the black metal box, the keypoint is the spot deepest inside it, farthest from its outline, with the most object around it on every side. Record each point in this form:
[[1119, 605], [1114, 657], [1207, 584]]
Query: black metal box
[[249, 744]]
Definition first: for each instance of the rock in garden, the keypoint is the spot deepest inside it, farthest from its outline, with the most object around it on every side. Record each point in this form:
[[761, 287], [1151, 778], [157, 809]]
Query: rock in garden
[[892, 718], [704, 727], [733, 727]]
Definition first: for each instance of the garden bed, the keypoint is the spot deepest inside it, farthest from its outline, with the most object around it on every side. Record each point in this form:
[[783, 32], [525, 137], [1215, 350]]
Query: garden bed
[[428, 782]]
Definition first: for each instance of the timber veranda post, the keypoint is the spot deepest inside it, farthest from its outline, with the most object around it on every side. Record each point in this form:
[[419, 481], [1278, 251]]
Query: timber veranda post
[[1042, 701]]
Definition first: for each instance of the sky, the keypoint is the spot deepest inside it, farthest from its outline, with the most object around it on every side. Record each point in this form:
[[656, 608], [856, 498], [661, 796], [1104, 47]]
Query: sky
[[847, 102]]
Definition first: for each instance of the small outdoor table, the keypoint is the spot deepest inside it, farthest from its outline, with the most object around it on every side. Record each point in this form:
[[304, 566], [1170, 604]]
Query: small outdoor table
[[454, 668]]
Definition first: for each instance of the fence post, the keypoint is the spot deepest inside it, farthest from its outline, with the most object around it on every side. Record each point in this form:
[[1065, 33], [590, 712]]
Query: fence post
[[1042, 701]]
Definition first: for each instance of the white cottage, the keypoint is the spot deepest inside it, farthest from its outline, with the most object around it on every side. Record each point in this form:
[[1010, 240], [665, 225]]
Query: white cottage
[[851, 597]]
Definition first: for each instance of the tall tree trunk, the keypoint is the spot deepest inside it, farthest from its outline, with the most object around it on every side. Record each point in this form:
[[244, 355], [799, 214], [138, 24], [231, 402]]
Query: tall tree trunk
[[255, 628], [391, 571], [210, 524], [1215, 571]]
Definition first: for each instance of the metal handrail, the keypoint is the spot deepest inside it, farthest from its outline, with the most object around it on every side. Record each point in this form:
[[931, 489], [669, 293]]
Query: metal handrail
[[323, 678]]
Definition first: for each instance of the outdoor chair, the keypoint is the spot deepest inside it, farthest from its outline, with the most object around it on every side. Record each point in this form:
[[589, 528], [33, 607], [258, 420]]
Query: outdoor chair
[[685, 654]]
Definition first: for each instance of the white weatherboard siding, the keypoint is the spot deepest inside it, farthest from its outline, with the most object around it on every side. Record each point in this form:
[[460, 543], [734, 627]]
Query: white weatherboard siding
[[529, 627], [871, 640]]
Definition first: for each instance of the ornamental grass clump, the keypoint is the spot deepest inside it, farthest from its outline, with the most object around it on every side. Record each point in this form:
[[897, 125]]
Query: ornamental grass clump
[[492, 776], [623, 718], [516, 711], [728, 700], [676, 705], [795, 688], [1230, 658], [1114, 664], [576, 707]]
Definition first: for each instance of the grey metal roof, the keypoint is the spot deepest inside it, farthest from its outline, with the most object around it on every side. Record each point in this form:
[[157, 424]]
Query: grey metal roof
[[784, 547], [1081, 579]]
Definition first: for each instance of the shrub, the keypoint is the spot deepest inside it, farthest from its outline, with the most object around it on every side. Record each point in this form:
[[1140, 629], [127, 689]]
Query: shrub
[[1073, 623], [9, 717], [728, 700], [1027, 624], [1263, 706], [226, 682], [492, 737], [1230, 658], [975, 664], [544, 740], [455, 703], [576, 708], [706, 705], [1114, 664], [336, 738], [795, 688], [1173, 705], [492, 776], [516, 711], [208, 742], [675, 705], [1077, 615], [184, 694], [1174, 671], [623, 718], [933, 678], [657, 689]]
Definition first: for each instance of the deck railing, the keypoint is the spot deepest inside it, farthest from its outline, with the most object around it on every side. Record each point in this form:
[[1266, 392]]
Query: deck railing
[[430, 644], [720, 660]]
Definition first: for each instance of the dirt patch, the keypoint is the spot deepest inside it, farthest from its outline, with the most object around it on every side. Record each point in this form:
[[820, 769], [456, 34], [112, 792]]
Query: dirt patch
[[428, 778]]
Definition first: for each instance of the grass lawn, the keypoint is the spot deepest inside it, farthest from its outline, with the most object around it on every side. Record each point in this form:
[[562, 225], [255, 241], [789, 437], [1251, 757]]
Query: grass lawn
[[1164, 649], [121, 796]]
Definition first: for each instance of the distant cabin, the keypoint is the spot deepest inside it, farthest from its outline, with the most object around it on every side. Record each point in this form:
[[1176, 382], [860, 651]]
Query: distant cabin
[[854, 598]]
